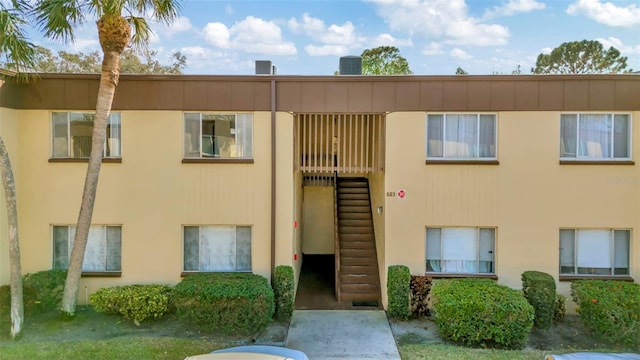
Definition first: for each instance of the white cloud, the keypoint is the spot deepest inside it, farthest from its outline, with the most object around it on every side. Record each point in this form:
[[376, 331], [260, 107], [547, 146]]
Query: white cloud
[[607, 13], [617, 43], [326, 50], [460, 54], [85, 45], [433, 48], [181, 24], [327, 40], [389, 40], [442, 20], [513, 7], [252, 35]]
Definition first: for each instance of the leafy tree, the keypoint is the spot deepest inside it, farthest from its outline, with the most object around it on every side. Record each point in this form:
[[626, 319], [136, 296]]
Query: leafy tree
[[581, 57], [120, 22], [384, 60], [19, 53], [131, 63], [517, 71], [461, 71]]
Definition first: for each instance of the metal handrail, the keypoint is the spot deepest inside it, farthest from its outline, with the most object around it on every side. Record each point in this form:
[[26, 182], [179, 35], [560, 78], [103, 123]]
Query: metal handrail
[[336, 236]]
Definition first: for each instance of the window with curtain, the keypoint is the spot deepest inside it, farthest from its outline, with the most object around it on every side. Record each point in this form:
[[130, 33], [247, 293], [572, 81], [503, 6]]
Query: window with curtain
[[460, 250], [72, 133], [224, 136], [461, 136], [595, 136], [217, 248], [594, 251], [103, 251]]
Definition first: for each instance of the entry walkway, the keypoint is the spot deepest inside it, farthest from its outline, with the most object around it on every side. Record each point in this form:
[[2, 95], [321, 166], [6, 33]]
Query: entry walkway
[[342, 334]]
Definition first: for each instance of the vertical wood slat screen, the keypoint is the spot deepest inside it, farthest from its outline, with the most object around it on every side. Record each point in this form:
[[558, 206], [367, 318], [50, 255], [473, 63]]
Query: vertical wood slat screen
[[347, 143]]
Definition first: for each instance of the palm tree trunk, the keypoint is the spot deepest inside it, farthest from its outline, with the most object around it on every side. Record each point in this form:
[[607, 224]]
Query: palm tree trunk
[[108, 82], [17, 304]]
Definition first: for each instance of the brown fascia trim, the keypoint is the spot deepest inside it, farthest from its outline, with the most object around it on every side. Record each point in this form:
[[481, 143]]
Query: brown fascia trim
[[597, 162], [595, 277], [101, 274], [84, 160], [460, 276], [216, 161], [462, 162]]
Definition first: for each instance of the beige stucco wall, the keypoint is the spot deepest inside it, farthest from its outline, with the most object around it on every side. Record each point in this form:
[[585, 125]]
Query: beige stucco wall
[[527, 197], [9, 133], [151, 194], [318, 220]]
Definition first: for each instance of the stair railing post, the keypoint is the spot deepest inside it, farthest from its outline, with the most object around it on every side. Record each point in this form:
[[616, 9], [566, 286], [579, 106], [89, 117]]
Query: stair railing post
[[336, 236]]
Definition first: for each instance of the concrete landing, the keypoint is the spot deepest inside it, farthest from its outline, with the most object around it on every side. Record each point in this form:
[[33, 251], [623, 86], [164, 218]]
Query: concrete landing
[[342, 334]]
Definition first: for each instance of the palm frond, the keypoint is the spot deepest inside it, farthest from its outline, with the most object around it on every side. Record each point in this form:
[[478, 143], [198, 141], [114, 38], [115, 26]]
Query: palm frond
[[58, 18], [141, 32], [19, 52], [164, 11]]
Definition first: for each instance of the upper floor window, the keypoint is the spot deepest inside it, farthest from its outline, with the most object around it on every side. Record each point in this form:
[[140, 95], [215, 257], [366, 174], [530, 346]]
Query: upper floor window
[[594, 251], [102, 253], [217, 248], [72, 133], [224, 136], [461, 136], [595, 136], [460, 250]]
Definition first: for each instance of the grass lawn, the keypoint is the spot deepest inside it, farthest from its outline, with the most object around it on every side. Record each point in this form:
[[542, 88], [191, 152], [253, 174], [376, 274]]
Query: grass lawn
[[138, 348], [450, 352]]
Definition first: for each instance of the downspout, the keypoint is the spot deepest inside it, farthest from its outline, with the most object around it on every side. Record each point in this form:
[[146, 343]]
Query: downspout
[[273, 178]]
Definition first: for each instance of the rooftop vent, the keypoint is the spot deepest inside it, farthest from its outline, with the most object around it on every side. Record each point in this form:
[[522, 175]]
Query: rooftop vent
[[264, 67], [351, 65]]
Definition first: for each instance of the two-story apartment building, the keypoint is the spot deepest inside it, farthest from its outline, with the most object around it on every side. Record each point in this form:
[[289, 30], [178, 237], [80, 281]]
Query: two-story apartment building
[[484, 176]]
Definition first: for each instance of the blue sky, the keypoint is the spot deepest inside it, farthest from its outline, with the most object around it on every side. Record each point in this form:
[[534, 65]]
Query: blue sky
[[307, 37]]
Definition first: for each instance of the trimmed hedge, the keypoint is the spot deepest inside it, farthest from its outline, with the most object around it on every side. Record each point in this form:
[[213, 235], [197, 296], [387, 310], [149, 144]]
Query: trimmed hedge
[[610, 309], [283, 290], [47, 286], [420, 295], [560, 309], [133, 302], [479, 312], [398, 291], [232, 303], [539, 289]]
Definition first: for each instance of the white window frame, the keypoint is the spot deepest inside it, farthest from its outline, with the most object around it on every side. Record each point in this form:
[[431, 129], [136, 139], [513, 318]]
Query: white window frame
[[576, 261], [200, 154], [69, 243], [438, 269], [578, 142], [443, 148], [115, 120], [199, 255]]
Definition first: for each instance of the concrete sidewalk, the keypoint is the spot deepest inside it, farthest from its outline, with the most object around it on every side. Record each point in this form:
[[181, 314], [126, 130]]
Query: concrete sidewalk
[[342, 334]]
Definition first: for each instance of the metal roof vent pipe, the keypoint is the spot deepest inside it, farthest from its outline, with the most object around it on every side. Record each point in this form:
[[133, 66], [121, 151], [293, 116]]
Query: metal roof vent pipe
[[264, 67], [351, 65]]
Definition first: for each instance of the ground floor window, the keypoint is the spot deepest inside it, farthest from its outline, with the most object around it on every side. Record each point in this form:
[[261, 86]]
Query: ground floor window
[[594, 251], [460, 250], [217, 248], [103, 251]]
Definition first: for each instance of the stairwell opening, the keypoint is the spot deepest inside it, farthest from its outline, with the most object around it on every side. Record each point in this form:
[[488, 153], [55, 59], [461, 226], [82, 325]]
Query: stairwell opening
[[334, 155]]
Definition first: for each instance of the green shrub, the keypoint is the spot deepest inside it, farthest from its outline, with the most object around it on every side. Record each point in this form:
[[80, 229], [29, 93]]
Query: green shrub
[[420, 295], [29, 299], [610, 309], [47, 286], [283, 291], [560, 309], [481, 312], [133, 302], [398, 291], [539, 289], [232, 303]]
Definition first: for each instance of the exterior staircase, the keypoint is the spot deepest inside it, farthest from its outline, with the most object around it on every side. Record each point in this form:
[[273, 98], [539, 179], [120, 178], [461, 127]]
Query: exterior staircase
[[358, 274]]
